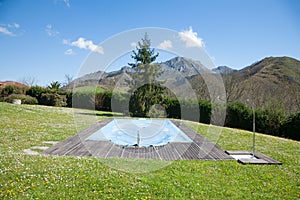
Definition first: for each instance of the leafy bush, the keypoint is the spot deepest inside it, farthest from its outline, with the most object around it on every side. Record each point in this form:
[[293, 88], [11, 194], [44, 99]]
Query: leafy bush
[[54, 99], [173, 108], [103, 101], [36, 91], [291, 127], [188, 108], [238, 116], [25, 99], [205, 111], [269, 121], [69, 97], [12, 89], [83, 100], [119, 102]]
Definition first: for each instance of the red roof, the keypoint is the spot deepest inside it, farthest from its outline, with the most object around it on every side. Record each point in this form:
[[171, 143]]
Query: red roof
[[5, 83]]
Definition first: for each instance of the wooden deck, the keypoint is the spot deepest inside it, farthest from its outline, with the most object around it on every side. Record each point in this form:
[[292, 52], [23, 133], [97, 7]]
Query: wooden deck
[[199, 149]]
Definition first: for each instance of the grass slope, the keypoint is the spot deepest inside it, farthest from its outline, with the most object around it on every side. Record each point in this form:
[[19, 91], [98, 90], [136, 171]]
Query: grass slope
[[45, 177]]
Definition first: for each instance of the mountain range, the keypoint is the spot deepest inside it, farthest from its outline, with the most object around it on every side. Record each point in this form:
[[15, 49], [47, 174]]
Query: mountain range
[[268, 82]]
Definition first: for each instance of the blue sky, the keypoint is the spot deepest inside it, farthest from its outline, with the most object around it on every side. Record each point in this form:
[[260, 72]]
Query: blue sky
[[46, 39]]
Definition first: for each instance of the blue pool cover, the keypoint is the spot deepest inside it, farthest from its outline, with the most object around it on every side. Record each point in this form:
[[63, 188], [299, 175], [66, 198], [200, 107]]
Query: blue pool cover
[[140, 132]]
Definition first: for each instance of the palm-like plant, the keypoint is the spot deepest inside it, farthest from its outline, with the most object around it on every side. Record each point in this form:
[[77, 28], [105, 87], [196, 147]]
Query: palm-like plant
[[54, 85]]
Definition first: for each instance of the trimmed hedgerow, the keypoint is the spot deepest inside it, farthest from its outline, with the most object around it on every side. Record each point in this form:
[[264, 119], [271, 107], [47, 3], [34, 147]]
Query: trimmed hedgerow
[[53, 99], [291, 126]]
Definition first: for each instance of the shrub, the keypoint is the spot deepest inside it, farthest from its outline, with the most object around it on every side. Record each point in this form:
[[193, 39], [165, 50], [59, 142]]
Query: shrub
[[69, 97], [50, 99], [83, 100], [269, 121], [36, 91], [291, 126], [12, 89], [238, 116], [119, 102], [173, 108], [205, 112], [103, 101], [25, 99], [188, 108]]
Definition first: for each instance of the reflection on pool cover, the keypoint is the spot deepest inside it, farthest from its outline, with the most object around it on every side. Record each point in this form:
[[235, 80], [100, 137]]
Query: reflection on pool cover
[[140, 132]]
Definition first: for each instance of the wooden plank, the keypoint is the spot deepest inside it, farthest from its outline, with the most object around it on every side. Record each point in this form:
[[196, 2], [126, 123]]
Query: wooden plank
[[99, 148], [68, 144], [63, 147], [168, 152], [114, 152], [199, 149], [238, 152], [252, 161], [267, 158]]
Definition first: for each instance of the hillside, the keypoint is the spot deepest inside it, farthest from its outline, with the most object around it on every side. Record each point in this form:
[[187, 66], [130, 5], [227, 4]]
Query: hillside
[[271, 81], [186, 66], [278, 69], [224, 69], [274, 81], [174, 71]]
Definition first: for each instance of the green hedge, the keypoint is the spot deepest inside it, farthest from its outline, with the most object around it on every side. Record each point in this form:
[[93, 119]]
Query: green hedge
[[291, 127], [36, 91], [238, 115], [12, 89], [103, 101], [82, 100], [268, 121], [50, 99], [25, 99]]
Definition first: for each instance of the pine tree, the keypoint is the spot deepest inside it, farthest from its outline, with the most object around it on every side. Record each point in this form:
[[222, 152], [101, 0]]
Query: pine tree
[[146, 90], [144, 56]]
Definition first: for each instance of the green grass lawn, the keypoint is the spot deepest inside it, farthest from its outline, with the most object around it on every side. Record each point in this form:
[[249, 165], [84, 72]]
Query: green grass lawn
[[48, 177], [89, 89]]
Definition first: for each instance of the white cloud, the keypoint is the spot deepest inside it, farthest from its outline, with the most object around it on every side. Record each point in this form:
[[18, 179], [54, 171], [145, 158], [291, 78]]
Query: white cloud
[[133, 44], [5, 31], [50, 31], [69, 52], [191, 38], [82, 43], [9, 29], [166, 44], [67, 2], [16, 25]]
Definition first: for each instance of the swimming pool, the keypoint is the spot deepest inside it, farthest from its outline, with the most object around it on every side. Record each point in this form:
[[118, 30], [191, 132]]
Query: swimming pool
[[140, 132]]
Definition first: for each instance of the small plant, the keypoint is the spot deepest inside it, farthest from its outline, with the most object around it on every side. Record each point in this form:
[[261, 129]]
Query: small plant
[[54, 85]]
